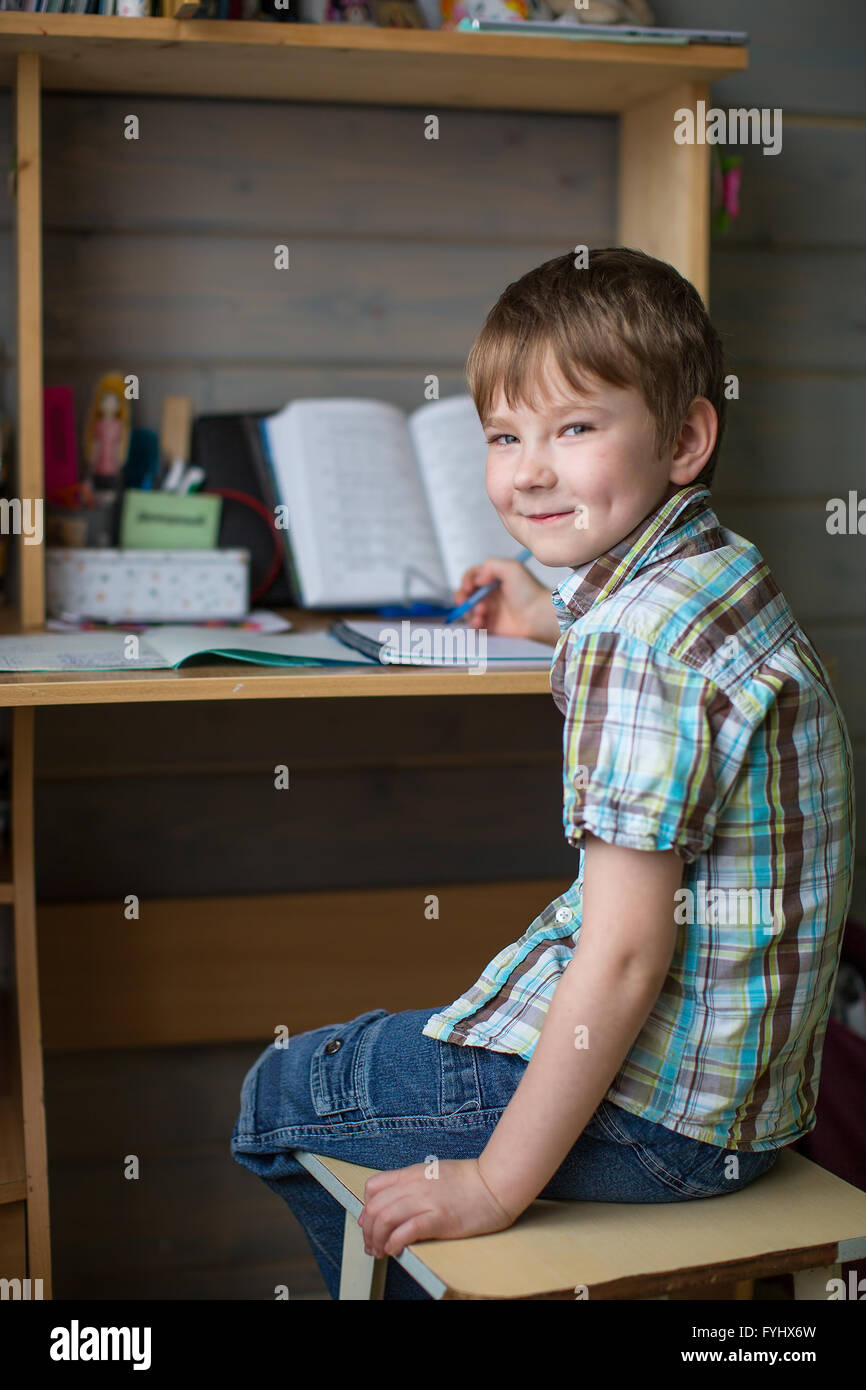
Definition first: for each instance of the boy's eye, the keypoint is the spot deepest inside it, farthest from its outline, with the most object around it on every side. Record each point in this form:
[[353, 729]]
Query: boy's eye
[[509, 438]]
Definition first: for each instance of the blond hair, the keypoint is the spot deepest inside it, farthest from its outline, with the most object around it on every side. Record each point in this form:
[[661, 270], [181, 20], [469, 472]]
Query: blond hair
[[627, 318]]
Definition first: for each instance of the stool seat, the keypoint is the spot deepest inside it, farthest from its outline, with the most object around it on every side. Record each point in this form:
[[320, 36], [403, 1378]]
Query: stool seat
[[797, 1218]]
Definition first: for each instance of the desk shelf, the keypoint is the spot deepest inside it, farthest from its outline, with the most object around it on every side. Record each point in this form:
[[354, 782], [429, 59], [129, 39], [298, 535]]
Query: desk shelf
[[347, 63], [249, 682], [246, 681]]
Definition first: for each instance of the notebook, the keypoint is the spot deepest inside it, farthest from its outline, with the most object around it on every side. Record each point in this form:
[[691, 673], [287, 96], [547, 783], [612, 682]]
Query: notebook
[[167, 648], [615, 33], [435, 643], [381, 507]]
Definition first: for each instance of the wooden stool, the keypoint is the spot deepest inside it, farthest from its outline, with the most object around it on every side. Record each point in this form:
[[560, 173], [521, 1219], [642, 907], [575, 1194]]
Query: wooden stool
[[796, 1219]]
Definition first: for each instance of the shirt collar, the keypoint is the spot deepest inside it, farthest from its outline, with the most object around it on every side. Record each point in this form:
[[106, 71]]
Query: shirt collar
[[682, 525]]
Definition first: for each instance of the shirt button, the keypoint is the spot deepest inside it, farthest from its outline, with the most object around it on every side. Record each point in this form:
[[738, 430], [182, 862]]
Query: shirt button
[[564, 914], [334, 1045]]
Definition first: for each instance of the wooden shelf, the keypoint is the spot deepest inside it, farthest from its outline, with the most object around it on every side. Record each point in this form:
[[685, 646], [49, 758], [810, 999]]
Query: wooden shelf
[[243, 680], [345, 63]]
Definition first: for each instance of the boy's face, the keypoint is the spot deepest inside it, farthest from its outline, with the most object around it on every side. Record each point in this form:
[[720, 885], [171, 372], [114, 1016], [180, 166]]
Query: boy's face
[[575, 476]]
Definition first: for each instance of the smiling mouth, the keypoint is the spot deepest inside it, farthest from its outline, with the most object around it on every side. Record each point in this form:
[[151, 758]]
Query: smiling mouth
[[547, 516]]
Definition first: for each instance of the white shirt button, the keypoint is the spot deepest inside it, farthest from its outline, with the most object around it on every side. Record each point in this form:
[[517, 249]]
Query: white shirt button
[[564, 914]]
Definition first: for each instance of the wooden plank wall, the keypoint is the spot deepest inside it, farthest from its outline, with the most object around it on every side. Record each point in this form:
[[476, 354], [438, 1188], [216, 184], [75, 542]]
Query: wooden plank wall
[[158, 259], [788, 292]]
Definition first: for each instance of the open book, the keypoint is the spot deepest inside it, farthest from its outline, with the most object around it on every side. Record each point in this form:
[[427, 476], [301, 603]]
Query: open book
[[165, 648], [383, 508]]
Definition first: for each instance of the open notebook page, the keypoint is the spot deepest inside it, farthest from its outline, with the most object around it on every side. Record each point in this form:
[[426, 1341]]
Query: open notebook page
[[452, 454], [176, 643], [163, 647], [359, 524]]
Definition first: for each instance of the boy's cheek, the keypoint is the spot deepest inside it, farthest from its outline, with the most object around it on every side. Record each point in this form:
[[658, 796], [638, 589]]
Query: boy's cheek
[[507, 520], [496, 491]]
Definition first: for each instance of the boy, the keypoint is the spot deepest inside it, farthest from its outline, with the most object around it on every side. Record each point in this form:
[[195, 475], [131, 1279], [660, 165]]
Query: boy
[[656, 1033]]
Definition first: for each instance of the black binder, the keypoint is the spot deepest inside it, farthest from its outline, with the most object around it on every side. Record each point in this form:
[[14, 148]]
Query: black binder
[[230, 450]]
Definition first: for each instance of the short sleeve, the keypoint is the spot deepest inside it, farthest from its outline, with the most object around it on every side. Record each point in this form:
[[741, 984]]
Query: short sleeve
[[637, 745]]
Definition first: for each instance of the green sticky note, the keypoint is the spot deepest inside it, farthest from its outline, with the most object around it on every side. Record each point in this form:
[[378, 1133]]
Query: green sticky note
[[169, 520]]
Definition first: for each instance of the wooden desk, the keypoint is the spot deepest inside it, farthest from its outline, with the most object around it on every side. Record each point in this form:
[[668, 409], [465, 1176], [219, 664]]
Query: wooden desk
[[23, 1168]]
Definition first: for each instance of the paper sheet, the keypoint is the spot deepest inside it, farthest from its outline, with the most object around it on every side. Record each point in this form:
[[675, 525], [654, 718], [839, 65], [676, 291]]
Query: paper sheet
[[359, 525]]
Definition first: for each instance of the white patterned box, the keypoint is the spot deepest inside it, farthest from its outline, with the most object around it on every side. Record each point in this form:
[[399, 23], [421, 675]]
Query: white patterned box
[[157, 586]]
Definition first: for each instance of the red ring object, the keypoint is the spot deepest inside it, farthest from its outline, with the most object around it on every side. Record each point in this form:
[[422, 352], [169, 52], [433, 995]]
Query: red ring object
[[247, 500]]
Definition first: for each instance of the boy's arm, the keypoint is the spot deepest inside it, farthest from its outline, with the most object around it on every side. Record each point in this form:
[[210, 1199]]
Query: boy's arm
[[625, 947]]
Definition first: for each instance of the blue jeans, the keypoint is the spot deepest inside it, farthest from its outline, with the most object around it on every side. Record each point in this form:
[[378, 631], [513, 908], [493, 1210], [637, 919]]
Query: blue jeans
[[375, 1091]]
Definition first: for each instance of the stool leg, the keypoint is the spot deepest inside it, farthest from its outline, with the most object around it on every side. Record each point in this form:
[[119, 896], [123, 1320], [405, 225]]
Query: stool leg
[[812, 1283], [362, 1276]]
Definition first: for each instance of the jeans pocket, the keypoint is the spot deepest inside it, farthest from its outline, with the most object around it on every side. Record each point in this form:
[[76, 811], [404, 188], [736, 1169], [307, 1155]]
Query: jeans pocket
[[727, 1170], [689, 1166], [338, 1081], [460, 1089]]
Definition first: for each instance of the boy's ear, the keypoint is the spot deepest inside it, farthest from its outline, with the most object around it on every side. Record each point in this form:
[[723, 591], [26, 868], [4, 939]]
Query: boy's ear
[[695, 442]]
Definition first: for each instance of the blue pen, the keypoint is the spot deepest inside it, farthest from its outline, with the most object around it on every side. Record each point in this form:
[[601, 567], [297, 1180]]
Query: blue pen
[[415, 610], [480, 593]]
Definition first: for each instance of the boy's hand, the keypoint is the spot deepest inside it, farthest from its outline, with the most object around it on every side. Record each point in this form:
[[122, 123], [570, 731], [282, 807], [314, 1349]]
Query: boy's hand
[[408, 1205], [519, 607]]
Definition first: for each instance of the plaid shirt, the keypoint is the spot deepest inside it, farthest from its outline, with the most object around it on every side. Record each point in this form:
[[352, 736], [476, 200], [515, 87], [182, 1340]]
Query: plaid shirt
[[698, 717]]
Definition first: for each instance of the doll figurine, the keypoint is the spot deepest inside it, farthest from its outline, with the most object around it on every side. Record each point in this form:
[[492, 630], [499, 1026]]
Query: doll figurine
[[106, 438]]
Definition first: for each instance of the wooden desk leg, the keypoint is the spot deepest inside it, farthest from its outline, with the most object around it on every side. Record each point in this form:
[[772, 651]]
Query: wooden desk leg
[[27, 987]]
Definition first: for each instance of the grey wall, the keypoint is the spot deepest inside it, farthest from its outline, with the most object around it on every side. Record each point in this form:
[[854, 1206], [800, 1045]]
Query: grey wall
[[788, 291]]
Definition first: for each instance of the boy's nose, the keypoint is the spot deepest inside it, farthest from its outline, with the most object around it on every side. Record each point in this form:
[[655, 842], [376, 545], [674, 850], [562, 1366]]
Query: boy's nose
[[533, 470]]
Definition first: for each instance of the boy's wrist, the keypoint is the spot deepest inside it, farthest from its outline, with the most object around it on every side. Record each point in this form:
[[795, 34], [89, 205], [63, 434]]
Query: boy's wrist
[[502, 1189]]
